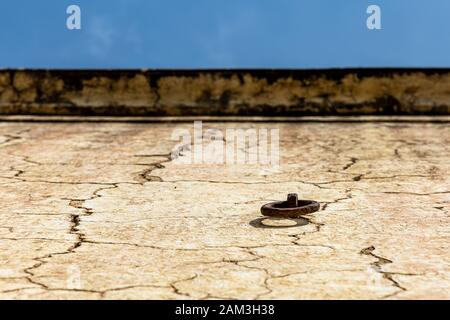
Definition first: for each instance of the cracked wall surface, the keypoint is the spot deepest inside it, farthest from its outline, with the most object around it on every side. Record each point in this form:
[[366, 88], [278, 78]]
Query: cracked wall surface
[[99, 211]]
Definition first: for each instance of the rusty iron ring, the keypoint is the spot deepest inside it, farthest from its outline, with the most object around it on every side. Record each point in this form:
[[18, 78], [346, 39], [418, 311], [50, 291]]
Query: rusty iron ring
[[292, 208]]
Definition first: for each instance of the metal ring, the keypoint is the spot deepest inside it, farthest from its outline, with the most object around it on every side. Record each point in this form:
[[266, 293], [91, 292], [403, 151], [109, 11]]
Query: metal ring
[[282, 209]]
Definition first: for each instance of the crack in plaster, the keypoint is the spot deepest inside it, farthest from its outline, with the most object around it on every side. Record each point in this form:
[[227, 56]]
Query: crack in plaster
[[352, 162], [377, 266]]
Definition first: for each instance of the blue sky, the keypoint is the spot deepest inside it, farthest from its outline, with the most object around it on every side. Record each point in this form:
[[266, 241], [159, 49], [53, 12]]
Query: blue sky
[[224, 34]]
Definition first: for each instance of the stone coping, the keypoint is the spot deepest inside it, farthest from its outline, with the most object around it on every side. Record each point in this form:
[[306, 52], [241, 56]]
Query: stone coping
[[173, 93]]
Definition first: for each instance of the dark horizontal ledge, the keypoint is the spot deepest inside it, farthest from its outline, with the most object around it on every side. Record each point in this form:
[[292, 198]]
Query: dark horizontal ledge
[[222, 119], [227, 92]]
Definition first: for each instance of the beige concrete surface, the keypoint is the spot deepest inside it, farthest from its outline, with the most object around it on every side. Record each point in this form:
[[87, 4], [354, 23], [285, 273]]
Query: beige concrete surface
[[99, 211]]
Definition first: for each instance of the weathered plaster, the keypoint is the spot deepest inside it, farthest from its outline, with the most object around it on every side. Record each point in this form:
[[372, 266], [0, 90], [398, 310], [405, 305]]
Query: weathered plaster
[[106, 200], [226, 92]]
